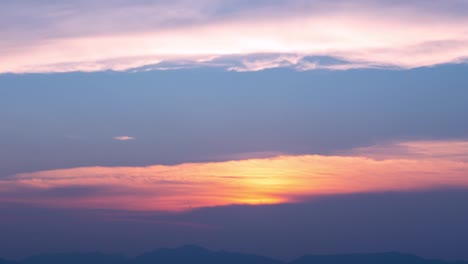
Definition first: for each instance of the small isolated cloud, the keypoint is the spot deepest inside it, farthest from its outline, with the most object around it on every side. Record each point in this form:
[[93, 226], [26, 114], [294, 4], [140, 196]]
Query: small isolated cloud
[[124, 138]]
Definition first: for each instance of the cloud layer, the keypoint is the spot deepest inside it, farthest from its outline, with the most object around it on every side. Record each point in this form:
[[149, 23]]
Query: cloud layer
[[405, 166], [121, 35]]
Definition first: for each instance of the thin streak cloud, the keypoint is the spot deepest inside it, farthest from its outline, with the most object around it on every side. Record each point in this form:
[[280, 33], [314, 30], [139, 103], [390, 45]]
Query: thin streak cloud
[[124, 138]]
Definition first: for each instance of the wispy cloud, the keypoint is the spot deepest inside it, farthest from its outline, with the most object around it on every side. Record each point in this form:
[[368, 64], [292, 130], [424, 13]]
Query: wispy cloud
[[402, 166], [124, 138], [362, 33]]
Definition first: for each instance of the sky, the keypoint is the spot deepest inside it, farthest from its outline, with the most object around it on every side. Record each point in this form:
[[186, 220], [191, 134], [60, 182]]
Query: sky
[[270, 127]]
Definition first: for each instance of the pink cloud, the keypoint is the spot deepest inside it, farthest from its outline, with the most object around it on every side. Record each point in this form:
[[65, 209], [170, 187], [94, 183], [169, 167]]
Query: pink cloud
[[124, 138], [362, 33]]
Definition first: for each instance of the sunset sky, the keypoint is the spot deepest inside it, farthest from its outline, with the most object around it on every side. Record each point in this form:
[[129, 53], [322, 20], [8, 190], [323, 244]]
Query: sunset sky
[[242, 125]]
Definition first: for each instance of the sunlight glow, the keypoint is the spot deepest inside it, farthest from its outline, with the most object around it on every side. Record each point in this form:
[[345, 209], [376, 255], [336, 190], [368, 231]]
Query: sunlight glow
[[392, 167]]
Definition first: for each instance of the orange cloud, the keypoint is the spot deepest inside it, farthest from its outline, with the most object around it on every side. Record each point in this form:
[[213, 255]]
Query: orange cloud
[[394, 167]]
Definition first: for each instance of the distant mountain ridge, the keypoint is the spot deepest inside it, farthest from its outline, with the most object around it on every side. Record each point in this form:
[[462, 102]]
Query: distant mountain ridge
[[75, 258], [374, 258], [198, 255]]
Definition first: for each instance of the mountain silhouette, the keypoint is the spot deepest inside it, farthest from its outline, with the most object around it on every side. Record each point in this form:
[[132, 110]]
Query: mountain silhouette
[[378, 258], [195, 254], [4, 261], [199, 255], [75, 258]]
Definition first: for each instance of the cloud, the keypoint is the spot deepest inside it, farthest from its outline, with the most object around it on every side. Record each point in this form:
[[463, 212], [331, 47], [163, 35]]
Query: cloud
[[364, 34], [453, 150], [404, 166], [124, 138]]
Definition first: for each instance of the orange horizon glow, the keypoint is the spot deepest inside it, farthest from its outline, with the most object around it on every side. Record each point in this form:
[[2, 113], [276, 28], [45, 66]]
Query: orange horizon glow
[[405, 166]]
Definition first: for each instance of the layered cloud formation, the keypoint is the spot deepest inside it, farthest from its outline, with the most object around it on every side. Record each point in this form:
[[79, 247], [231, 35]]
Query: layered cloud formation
[[405, 166], [43, 36]]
